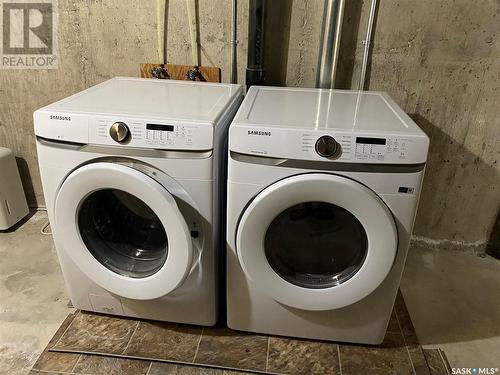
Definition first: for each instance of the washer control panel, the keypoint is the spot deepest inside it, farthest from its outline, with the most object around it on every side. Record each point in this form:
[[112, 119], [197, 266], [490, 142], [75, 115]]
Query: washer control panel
[[150, 134]]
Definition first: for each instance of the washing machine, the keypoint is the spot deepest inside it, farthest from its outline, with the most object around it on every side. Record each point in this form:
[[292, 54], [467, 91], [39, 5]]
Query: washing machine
[[323, 187], [132, 171]]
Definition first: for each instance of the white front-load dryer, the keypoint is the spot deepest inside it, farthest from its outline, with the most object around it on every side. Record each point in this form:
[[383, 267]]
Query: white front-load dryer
[[132, 171], [323, 187]]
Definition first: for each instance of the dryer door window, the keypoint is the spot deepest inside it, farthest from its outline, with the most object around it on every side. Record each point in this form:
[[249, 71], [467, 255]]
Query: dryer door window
[[315, 244], [123, 233], [316, 241], [123, 230]]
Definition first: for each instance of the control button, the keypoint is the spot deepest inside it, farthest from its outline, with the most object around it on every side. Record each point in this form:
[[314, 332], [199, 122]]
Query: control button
[[119, 132], [326, 146]]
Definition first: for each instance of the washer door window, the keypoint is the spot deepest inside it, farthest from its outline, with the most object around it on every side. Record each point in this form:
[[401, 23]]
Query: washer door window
[[123, 230], [316, 241], [123, 233]]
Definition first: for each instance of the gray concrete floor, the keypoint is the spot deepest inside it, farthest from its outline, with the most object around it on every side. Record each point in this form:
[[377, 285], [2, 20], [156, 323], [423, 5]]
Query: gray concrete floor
[[454, 302], [33, 301], [453, 299]]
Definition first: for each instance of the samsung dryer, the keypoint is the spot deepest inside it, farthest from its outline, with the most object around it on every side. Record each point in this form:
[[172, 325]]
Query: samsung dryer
[[132, 172], [323, 187]]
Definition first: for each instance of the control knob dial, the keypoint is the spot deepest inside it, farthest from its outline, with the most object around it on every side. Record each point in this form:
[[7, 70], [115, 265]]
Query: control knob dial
[[327, 146], [119, 131]]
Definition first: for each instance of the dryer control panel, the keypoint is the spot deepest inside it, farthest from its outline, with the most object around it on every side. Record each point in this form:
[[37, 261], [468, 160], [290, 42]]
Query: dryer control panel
[[330, 145]]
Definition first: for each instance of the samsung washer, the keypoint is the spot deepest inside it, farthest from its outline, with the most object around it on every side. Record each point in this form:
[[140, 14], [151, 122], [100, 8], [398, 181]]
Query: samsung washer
[[132, 171]]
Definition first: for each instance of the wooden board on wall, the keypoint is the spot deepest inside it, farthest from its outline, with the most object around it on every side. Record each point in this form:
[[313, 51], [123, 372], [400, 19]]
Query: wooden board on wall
[[175, 71]]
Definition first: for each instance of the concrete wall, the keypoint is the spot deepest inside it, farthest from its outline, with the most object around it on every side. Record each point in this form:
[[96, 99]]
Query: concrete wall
[[438, 59], [97, 40]]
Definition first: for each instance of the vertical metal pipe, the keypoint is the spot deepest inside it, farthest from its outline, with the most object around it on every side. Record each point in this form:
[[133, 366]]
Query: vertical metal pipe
[[234, 65], [367, 42], [256, 37], [193, 31], [330, 43]]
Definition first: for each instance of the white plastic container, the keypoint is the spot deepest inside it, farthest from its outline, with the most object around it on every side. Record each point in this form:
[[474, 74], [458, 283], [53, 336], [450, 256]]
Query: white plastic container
[[13, 205]]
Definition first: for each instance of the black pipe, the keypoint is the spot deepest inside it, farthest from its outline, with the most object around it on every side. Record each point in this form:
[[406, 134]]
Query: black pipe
[[493, 245], [255, 74]]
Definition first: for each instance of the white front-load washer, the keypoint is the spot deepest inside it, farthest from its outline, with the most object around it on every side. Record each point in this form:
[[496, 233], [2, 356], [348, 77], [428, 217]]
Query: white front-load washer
[[132, 171], [323, 187]]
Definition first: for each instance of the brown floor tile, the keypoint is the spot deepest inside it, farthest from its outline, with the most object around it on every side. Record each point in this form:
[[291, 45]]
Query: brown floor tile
[[435, 362], [445, 360], [53, 361], [97, 333], [69, 319], [391, 357], [167, 341], [291, 356], [228, 348], [418, 360], [97, 365], [159, 368]]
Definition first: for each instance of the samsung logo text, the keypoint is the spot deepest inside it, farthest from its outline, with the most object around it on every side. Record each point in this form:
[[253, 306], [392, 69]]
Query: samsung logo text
[[259, 132], [61, 118]]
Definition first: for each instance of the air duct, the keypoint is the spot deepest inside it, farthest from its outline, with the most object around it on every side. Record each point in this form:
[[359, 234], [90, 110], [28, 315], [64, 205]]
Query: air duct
[[330, 43]]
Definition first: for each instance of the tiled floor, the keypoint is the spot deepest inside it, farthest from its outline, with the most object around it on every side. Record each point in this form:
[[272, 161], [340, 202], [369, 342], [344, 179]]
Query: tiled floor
[[447, 293], [437, 361], [84, 339]]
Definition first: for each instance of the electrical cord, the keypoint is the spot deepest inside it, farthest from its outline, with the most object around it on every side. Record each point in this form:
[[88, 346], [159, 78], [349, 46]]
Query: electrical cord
[[45, 226]]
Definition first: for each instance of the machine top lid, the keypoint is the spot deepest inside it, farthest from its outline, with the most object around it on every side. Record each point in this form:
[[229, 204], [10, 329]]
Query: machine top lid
[[320, 109], [139, 97]]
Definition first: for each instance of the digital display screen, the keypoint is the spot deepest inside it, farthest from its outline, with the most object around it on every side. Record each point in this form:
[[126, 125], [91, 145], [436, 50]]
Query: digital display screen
[[370, 141], [163, 128]]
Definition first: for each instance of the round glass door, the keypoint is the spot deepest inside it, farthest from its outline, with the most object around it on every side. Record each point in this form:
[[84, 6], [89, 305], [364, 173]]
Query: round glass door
[[123, 233], [316, 241], [123, 230], [315, 244]]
